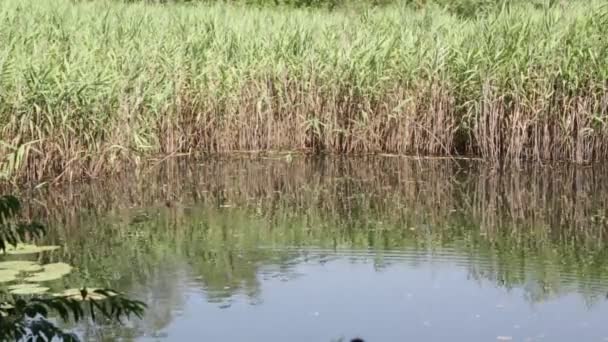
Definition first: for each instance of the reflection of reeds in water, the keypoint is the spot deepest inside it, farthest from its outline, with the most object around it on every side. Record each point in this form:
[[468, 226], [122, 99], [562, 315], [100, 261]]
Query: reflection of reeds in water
[[540, 228], [561, 201]]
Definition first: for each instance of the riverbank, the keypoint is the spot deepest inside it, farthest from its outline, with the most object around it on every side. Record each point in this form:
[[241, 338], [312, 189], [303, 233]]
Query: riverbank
[[90, 87]]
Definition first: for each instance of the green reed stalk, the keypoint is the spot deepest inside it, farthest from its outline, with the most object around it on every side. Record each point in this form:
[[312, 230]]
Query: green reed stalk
[[88, 87]]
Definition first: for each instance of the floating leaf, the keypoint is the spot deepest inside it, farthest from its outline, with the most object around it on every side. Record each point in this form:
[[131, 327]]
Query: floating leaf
[[6, 306], [8, 275], [24, 248], [58, 267], [19, 286], [38, 278], [20, 266], [77, 294], [32, 269], [44, 276], [28, 289], [15, 264], [51, 272]]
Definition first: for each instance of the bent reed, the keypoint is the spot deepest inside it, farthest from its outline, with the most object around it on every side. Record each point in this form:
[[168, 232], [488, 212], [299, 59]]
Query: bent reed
[[88, 87]]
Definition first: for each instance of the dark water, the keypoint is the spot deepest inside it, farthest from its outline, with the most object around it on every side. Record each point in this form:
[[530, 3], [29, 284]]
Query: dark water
[[387, 249]]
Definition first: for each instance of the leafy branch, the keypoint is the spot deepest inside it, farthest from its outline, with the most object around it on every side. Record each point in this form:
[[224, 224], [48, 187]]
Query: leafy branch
[[12, 231], [22, 319], [28, 319]]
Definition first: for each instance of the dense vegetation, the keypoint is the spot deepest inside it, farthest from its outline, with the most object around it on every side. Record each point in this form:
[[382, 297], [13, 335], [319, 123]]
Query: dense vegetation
[[88, 87]]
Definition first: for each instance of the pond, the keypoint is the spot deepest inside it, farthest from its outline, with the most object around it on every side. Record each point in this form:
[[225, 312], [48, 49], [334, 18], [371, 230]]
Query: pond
[[384, 248]]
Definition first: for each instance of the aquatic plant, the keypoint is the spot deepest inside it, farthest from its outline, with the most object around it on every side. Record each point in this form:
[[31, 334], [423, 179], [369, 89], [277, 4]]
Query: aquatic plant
[[25, 311], [82, 94]]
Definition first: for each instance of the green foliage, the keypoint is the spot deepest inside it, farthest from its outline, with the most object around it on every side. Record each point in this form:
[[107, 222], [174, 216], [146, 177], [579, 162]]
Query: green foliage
[[328, 4], [86, 86], [12, 230], [465, 8], [27, 319], [22, 319]]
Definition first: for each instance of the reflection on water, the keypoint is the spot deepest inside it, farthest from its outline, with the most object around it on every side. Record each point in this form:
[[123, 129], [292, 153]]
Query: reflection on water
[[318, 250]]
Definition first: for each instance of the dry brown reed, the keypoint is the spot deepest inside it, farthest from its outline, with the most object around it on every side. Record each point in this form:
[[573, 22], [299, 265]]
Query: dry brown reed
[[84, 94]]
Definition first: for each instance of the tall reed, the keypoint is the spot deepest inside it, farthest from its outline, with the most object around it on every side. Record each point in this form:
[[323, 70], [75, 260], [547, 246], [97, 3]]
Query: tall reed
[[88, 87]]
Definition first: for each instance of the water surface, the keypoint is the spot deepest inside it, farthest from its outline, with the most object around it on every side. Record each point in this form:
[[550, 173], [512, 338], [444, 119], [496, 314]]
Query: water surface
[[388, 249]]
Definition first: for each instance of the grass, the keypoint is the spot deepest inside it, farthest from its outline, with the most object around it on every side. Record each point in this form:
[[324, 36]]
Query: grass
[[87, 88]]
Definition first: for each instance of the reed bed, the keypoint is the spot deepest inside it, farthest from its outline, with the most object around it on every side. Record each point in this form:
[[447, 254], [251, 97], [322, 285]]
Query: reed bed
[[87, 88]]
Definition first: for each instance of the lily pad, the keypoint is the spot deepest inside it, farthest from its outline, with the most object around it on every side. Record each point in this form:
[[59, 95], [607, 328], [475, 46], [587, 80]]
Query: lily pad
[[58, 267], [6, 306], [51, 272], [44, 276], [8, 276], [32, 269], [77, 294], [41, 277], [17, 264], [24, 248], [19, 286], [28, 289], [20, 266]]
